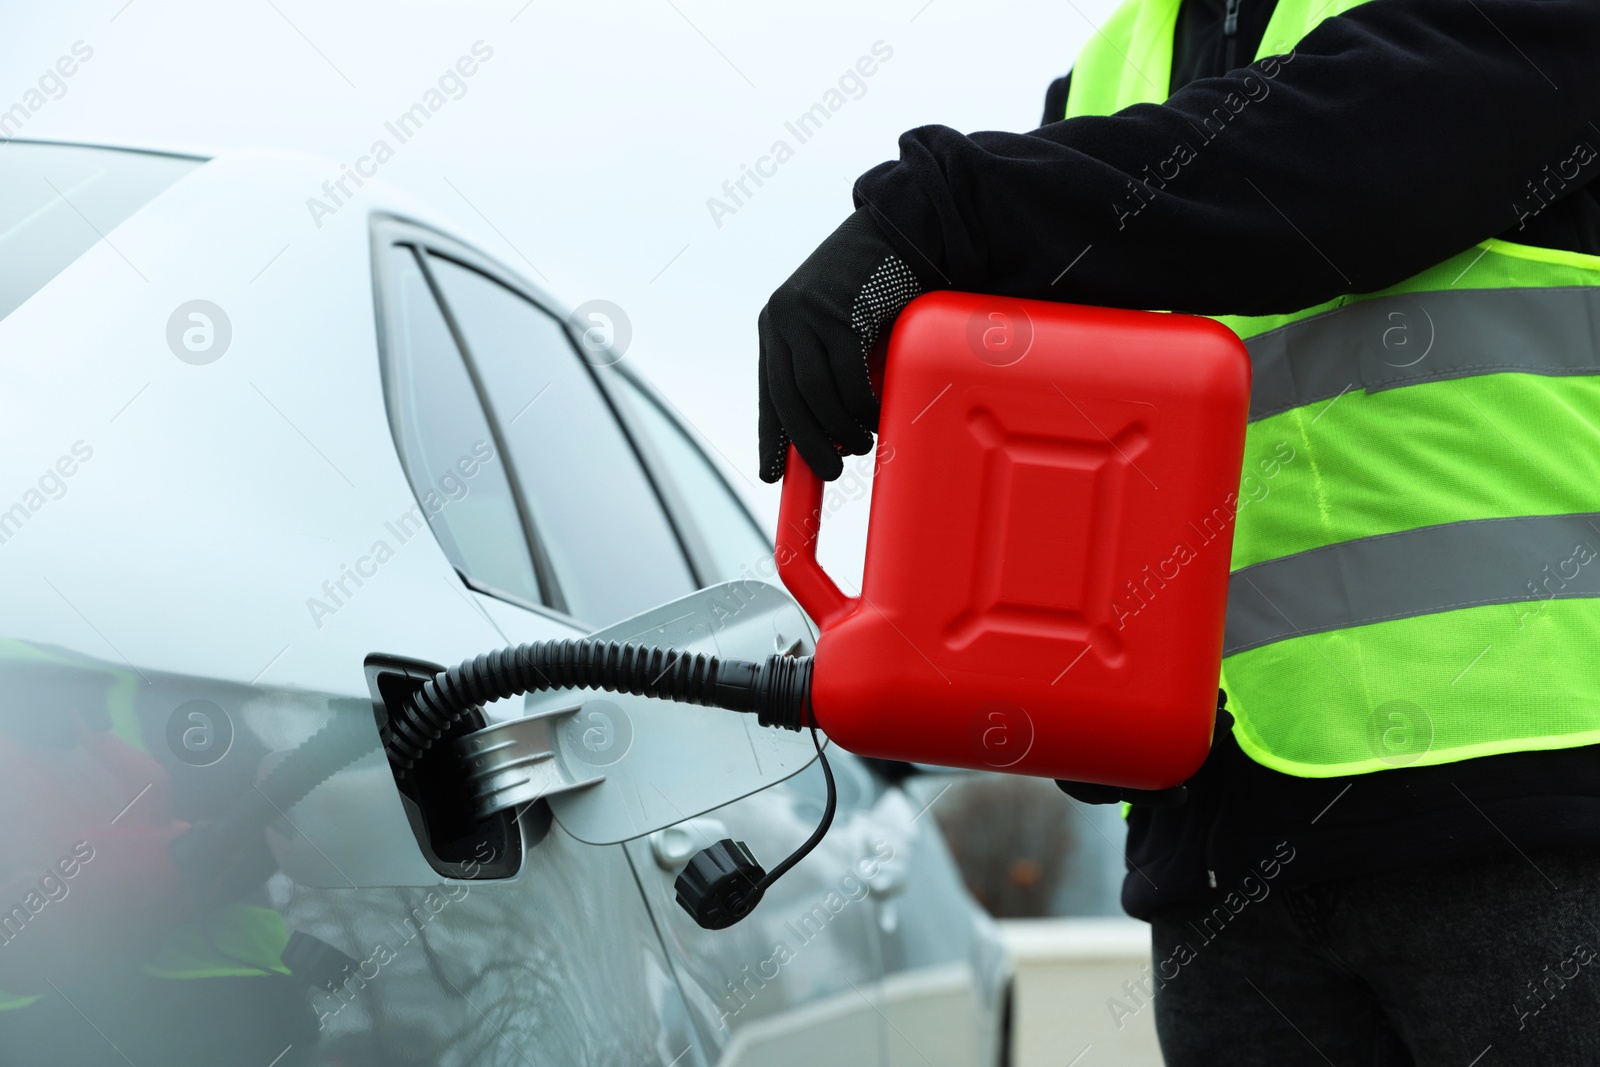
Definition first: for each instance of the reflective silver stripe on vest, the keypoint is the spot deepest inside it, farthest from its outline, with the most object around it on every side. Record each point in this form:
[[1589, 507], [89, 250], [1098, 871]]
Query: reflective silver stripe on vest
[[1415, 572], [1424, 337]]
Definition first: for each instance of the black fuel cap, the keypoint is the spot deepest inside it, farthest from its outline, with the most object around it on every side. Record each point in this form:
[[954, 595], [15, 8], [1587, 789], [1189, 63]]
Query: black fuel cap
[[721, 884]]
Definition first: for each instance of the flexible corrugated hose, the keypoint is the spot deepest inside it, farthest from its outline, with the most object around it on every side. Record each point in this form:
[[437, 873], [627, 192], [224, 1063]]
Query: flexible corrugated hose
[[777, 690]]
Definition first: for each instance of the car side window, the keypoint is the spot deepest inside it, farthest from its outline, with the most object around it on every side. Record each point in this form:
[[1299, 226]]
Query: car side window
[[445, 442], [611, 546], [734, 545]]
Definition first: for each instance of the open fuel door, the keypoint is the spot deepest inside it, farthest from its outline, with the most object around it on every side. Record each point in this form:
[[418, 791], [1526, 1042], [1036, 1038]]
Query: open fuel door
[[613, 767]]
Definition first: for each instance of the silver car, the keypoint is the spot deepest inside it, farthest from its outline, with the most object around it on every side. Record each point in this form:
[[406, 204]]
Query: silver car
[[275, 448]]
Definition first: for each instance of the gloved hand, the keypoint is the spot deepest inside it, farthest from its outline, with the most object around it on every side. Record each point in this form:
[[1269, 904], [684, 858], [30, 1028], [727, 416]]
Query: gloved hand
[[1091, 793], [816, 331]]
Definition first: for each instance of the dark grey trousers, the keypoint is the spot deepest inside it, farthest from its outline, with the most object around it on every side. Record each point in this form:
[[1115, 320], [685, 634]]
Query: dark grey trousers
[[1481, 965]]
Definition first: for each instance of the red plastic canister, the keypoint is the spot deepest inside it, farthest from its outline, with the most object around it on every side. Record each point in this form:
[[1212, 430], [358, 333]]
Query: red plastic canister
[[1047, 552]]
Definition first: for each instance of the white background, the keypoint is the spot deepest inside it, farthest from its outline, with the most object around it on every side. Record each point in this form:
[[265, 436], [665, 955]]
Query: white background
[[583, 153]]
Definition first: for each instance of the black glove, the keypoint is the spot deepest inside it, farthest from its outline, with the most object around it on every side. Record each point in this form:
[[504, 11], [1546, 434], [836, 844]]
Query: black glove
[[816, 331], [1091, 793]]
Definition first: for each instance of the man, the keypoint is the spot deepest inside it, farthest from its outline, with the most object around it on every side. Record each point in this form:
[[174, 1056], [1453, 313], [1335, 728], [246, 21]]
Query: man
[[1392, 855]]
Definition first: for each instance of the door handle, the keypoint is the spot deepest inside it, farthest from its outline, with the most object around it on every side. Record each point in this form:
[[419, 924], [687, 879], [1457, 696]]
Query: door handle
[[890, 878]]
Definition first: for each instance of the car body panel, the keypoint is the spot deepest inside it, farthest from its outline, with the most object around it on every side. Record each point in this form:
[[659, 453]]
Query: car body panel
[[812, 940], [946, 971], [170, 616], [662, 762]]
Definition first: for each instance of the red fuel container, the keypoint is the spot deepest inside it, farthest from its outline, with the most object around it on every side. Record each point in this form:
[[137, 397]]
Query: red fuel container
[[1047, 553]]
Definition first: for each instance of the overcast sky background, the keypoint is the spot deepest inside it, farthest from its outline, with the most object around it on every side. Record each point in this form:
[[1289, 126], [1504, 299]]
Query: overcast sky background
[[583, 153]]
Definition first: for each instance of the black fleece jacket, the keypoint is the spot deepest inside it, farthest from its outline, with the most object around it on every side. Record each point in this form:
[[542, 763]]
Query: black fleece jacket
[[1392, 137]]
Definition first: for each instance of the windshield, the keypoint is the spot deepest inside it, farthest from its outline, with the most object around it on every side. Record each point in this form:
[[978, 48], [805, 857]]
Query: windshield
[[56, 201]]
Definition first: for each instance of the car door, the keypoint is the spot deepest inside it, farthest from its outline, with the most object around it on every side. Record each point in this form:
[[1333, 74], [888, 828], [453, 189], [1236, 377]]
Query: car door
[[544, 512], [608, 545], [211, 855], [800, 981], [944, 971], [501, 963]]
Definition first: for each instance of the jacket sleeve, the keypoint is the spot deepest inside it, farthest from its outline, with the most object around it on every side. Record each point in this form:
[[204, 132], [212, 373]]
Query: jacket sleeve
[[1392, 137]]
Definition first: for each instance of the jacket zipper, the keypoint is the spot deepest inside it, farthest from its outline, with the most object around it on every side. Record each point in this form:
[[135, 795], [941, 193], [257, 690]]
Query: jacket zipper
[[1210, 855], [1230, 30], [1211, 844]]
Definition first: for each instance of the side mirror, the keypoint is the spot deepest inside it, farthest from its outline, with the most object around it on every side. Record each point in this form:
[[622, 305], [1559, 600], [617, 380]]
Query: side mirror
[[613, 767]]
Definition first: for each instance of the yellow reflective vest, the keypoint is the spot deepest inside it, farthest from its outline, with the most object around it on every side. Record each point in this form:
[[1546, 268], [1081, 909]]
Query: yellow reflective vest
[[1415, 576]]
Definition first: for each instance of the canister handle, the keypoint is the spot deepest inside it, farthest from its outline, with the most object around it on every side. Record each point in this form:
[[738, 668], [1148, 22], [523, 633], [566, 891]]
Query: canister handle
[[799, 523]]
